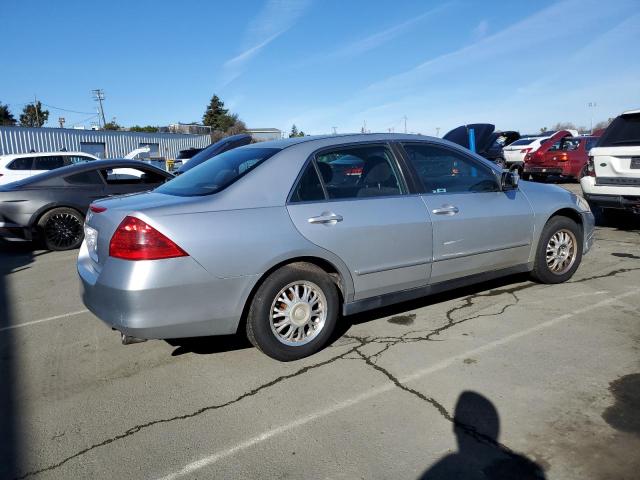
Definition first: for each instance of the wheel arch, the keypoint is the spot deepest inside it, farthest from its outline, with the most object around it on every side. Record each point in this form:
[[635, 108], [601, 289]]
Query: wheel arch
[[569, 213], [343, 284], [35, 218]]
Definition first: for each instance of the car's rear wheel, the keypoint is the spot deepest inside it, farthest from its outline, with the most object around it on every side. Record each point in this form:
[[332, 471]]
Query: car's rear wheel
[[61, 229], [294, 312], [559, 251]]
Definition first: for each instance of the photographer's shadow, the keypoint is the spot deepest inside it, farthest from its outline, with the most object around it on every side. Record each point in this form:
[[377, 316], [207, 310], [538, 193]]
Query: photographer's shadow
[[476, 427]]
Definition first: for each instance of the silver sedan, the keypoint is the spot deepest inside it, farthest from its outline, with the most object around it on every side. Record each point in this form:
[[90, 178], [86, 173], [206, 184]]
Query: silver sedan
[[284, 238]]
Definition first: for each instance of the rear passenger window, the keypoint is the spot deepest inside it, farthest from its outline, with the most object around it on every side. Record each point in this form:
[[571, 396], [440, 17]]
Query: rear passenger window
[[442, 170], [23, 163], [309, 188], [85, 178], [359, 172], [48, 163]]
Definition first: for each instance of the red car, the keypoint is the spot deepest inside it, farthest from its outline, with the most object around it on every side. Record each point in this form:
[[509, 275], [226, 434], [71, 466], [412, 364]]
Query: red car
[[562, 155]]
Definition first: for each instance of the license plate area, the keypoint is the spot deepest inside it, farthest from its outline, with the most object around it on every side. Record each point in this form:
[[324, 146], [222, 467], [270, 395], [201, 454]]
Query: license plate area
[[635, 162], [91, 238]]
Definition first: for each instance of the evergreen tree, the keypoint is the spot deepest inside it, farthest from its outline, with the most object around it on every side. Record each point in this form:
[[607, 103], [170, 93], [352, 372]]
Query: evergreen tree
[[6, 117], [294, 131], [216, 116]]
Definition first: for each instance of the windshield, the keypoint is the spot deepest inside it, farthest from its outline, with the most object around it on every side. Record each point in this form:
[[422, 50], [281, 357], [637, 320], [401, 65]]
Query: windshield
[[217, 173], [624, 130], [523, 141]]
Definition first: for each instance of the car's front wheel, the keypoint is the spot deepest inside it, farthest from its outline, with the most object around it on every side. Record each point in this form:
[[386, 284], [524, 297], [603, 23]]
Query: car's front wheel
[[559, 251], [61, 229], [294, 312]]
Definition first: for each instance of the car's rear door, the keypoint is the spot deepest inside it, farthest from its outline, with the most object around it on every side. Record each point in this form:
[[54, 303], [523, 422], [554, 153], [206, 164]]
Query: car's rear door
[[124, 180], [368, 218], [477, 227]]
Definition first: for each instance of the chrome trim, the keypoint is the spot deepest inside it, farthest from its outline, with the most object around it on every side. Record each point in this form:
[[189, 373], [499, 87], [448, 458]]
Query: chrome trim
[[480, 252]]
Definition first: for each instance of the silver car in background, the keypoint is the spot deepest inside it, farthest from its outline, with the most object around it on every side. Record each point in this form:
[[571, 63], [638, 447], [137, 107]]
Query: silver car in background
[[283, 238]]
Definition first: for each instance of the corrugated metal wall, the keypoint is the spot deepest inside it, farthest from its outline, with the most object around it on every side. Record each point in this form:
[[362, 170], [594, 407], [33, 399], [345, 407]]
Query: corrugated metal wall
[[117, 144]]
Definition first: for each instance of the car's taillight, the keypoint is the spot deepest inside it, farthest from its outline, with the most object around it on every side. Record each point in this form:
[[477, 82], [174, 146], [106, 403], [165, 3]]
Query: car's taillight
[[591, 169], [97, 209], [563, 157], [136, 240], [525, 150]]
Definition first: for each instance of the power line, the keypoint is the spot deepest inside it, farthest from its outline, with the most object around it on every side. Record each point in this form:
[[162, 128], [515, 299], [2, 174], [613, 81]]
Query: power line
[[66, 109]]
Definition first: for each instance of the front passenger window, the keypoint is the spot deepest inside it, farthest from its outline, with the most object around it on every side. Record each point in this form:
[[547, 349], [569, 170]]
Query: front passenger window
[[442, 170]]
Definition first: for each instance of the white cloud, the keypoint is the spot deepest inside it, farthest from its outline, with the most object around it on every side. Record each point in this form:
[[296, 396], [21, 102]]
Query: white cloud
[[275, 18], [480, 31]]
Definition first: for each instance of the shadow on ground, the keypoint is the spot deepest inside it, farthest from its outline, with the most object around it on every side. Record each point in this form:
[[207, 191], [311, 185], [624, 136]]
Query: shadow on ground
[[13, 257], [476, 425]]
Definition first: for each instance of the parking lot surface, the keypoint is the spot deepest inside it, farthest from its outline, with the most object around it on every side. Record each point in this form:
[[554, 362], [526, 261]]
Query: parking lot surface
[[510, 378]]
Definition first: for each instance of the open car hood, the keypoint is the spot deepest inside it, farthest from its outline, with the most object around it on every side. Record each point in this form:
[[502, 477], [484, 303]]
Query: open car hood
[[483, 132], [559, 135]]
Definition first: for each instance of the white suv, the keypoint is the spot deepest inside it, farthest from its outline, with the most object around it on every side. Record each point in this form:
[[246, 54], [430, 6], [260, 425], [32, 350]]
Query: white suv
[[18, 166], [613, 179]]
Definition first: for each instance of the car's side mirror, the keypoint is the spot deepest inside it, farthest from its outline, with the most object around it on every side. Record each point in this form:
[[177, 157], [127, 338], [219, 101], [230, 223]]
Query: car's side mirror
[[510, 180]]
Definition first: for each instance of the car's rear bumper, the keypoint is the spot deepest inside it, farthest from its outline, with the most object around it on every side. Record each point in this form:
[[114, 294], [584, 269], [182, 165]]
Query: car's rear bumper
[[611, 196], [544, 170], [171, 298]]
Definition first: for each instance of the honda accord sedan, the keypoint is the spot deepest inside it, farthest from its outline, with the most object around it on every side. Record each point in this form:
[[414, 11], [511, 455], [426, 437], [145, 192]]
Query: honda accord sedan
[[270, 238]]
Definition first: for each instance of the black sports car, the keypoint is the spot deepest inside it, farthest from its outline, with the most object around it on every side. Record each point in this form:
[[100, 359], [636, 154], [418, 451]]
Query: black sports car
[[51, 206]]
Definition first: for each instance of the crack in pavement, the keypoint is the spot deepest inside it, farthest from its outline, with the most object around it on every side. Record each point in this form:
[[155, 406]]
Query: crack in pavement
[[370, 360], [138, 428]]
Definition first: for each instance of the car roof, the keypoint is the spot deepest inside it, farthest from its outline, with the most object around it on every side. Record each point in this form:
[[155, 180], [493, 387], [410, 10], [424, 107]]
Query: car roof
[[631, 112], [44, 154], [339, 139], [88, 166]]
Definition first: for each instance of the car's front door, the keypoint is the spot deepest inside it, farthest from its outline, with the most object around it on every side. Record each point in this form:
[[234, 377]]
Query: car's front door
[[477, 227], [366, 217]]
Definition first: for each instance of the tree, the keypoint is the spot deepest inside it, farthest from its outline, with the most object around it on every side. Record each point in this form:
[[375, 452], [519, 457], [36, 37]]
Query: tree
[[602, 124], [238, 127], [543, 129], [112, 125], [33, 115], [564, 126], [295, 132], [148, 129], [6, 117], [216, 116], [583, 130]]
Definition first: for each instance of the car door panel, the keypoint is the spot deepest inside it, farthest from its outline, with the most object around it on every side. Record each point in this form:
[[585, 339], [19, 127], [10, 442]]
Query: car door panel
[[489, 231], [385, 242]]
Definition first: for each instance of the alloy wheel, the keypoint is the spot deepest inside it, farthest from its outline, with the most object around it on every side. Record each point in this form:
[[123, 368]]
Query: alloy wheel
[[298, 313], [63, 230], [561, 251]]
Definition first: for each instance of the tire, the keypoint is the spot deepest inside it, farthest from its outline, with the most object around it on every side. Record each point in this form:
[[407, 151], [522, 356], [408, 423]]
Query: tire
[[536, 177], [268, 332], [518, 169], [565, 231], [61, 229]]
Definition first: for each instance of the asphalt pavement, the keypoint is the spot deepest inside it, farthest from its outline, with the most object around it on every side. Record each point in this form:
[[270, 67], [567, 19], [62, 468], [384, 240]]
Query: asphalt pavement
[[510, 378]]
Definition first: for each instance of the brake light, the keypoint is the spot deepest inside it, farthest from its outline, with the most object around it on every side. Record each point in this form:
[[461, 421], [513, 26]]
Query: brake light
[[563, 157], [136, 240], [591, 169], [526, 150], [97, 209]]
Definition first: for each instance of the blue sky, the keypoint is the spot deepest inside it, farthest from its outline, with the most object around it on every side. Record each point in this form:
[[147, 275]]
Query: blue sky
[[326, 63]]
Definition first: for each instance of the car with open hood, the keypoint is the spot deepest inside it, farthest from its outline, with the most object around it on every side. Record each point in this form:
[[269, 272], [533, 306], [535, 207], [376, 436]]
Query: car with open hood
[[561, 155], [488, 142], [283, 238]]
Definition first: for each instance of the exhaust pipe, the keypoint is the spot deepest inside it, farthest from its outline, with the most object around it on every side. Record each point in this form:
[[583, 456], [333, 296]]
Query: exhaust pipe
[[129, 340]]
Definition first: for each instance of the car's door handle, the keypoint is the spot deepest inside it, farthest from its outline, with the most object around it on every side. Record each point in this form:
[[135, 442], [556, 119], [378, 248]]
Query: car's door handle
[[446, 210], [326, 218]]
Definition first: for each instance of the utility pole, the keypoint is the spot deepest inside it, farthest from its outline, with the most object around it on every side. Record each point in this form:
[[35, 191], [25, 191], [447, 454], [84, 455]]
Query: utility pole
[[35, 107], [98, 95], [335, 130], [61, 121], [405, 123], [592, 106]]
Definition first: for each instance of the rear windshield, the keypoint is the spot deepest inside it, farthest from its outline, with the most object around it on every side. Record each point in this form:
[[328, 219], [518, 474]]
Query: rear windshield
[[217, 173], [523, 141], [624, 130]]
